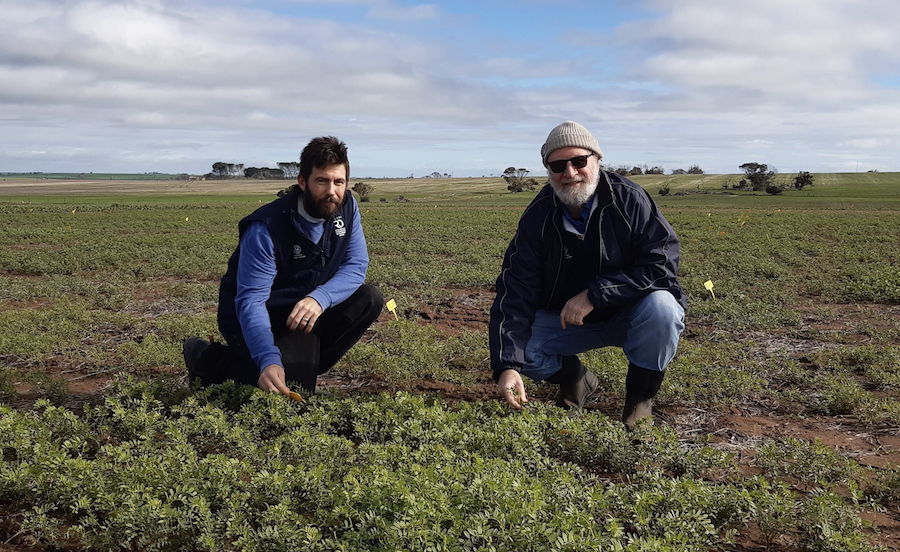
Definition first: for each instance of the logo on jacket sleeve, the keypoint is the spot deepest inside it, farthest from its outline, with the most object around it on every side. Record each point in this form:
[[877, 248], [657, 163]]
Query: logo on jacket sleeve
[[298, 252], [340, 230]]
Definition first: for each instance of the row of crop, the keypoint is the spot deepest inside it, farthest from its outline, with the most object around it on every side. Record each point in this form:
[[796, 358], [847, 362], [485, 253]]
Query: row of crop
[[231, 468], [755, 257]]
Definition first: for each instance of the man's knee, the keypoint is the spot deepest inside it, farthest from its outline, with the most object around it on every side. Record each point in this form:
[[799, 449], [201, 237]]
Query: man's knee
[[372, 302], [657, 323], [661, 310], [363, 306], [372, 296]]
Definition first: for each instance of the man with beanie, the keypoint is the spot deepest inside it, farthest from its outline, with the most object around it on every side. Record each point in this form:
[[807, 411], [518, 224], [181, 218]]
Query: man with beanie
[[593, 264], [292, 301]]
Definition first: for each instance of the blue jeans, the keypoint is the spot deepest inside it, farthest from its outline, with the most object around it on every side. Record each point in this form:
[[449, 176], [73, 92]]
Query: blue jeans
[[647, 332]]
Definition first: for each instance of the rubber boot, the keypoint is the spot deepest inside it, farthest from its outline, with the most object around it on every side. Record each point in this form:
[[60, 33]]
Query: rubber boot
[[212, 363], [192, 349], [576, 383], [641, 385]]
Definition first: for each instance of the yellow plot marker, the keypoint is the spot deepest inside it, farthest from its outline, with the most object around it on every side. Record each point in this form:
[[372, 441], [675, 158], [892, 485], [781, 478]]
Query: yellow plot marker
[[295, 396], [392, 306], [709, 285]]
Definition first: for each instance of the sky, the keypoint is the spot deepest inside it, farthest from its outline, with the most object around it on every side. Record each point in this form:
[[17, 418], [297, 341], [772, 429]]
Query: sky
[[466, 88]]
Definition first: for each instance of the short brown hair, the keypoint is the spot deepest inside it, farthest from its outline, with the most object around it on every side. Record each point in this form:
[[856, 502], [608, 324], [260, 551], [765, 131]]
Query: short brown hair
[[322, 152]]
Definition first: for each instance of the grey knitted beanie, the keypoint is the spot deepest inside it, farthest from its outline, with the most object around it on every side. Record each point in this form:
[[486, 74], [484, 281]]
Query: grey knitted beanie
[[566, 134]]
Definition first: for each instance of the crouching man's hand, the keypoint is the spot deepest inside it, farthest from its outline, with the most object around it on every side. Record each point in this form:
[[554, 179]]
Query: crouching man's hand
[[575, 310], [272, 379], [512, 388], [304, 315]]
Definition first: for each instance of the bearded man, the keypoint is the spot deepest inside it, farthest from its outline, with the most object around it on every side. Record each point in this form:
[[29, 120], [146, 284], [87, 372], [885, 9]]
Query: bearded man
[[593, 264], [293, 301]]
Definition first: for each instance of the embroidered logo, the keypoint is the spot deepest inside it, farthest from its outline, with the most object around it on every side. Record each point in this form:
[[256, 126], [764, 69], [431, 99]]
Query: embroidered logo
[[340, 229], [566, 253], [298, 252]]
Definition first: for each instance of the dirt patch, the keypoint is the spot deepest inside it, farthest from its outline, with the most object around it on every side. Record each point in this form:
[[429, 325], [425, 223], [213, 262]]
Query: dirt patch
[[464, 309]]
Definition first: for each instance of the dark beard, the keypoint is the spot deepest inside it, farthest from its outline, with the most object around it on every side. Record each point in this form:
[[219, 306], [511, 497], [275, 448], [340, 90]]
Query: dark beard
[[321, 209]]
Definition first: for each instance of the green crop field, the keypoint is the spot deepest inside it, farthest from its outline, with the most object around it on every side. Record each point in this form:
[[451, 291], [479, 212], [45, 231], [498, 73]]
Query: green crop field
[[776, 427]]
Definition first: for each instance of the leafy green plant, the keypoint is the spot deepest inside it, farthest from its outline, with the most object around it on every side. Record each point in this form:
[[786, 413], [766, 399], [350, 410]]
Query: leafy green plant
[[407, 350], [832, 525], [234, 467], [118, 283], [806, 461]]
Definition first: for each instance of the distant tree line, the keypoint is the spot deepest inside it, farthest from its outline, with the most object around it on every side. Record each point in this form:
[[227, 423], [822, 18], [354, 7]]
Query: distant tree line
[[757, 177], [285, 171], [644, 169]]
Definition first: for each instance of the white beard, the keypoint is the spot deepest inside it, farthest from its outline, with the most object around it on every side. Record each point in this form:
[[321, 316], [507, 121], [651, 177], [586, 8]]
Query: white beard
[[579, 194]]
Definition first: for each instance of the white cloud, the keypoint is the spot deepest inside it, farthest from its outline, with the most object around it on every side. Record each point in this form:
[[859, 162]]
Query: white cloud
[[148, 56], [396, 12], [809, 51], [697, 81]]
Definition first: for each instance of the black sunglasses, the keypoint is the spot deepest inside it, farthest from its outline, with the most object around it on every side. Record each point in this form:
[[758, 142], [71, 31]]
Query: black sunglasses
[[577, 163]]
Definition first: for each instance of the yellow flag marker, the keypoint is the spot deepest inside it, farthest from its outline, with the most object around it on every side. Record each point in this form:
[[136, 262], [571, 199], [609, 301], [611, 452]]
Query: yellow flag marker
[[709, 285], [392, 306], [295, 396]]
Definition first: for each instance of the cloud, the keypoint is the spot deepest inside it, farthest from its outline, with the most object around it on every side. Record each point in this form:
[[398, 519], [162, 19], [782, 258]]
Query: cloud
[[807, 52], [154, 56], [395, 12], [447, 83]]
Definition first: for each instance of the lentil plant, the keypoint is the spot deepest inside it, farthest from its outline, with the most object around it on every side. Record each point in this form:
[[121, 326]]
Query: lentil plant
[[801, 336]]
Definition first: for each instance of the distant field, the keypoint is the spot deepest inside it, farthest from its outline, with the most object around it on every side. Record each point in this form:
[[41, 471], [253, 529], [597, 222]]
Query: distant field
[[880, 191], [830, 191]]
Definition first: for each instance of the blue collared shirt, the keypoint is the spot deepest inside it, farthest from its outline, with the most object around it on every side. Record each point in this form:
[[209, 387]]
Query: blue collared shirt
[[578, 225]]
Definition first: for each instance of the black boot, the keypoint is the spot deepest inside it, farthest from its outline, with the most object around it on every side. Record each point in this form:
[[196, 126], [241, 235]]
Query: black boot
[[211, 363], [641, 385], [300, 358], [192, 349], [576, 383]]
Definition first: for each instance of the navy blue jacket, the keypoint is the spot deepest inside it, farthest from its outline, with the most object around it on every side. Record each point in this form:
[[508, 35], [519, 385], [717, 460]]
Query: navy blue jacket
[[629, 250], [301, 264]]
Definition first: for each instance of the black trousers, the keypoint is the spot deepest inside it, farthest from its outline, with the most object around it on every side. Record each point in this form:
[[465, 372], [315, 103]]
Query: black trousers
[[304, 356]]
